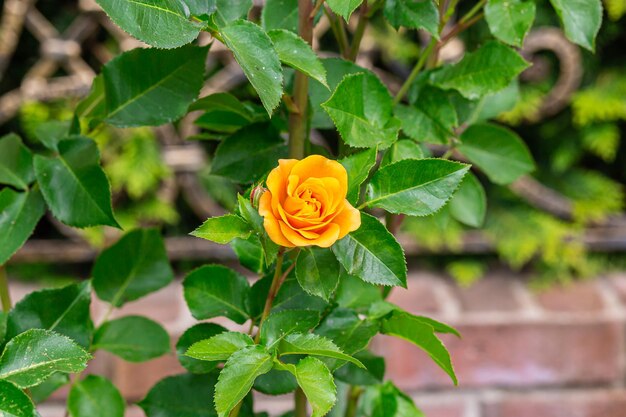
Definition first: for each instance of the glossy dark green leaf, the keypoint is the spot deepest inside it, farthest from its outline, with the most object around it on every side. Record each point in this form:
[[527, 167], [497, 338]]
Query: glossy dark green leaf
[[317, 271], [43, 391], [384, 309], [388, 401], [290, 297], [150, 87], [487, 70], [223, 229], [260, 143], [184, 395], [358, 166], [280, 14], [200, 331], [276, 382], [134, 266], [510, 20], [63, 310], [414, 14], [315, 345], [469, 203], [51, 132], [227, 11], [238, 375], [219, 347], [355, 293], [417, 187], [347, 330], [132, 338], [74, 185], [221, 122], [16, 162], [282, 323], [431, 119], [31, 357], [215, 290], [95, 396], [402, 149], [372, 254], [256, 55], [344, 8], [225, 102], [200, 7], [250, 253], [362, 110], [497, 151], [581, 20], [373, 373], [160, 23], [14, 402], [405, 326], [295, 52], [20, 213]]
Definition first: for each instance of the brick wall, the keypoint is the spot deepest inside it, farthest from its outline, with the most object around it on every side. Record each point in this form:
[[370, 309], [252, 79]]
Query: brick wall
[[558, 353]]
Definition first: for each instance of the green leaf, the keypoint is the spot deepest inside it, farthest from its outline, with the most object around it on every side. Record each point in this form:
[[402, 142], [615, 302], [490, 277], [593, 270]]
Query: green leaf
[[498, 151], [431, 119], [95, 396], [510, 20], [258, 59], [227, 11], [132, 338], [200, 7], [91, 108], [14, 402], [417, 187], [215, 290], [358, 166], [290, 296], [361, 108], [389, 401], [219, 347], [407, 327], [344, 8], [254, 219], [295, 52], [280, 14], [318, 385], [282, 323], [238, 375], [250, 253], [64, 310], [43, 391], [20, 214], [372, 254], [372, 374], [16, 162], [315, 345], [489, 69], [184, 395], [259, 142], [74, 185], [469, 203], [31, 357], [317, 271], [223, 229], [276, 382], [384, 309], [51, 132], [401, 150], [133, 267], [413, 14], [151, 87], [200, 331], [349, 332], [160, 23], [581, 20], [224, 102]]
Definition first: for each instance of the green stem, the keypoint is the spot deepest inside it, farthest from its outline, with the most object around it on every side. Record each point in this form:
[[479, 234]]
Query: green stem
[[5, 295], [358, 34], [415, 72], [300, 400], [472, 11], [276, 282], [316, 9], [353, 400]]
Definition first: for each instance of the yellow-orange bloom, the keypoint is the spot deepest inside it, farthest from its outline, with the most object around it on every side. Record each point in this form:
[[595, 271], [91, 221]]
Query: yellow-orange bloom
[[305, 203]]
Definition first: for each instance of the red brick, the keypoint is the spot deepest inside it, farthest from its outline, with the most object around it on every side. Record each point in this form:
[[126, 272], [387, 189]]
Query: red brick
[[575, 297], [420, 295], [575, 404], [514, 355], [448, 408], [618, 282], [492, 293]]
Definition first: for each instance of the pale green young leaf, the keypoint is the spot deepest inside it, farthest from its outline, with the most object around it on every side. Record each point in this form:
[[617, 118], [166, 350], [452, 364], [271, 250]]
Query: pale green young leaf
[[238, 375], [20, 214], [215, 290], [581, 20], [497, 151], [315, 345], [223, 229], [192, 335], [258, 59], [417, 187], [95, 396], [413, 14], [16, 162], [14, 402], [160, 23], [31, 357], [133, 267], [487, 70], [318, 385], [74, 185], [372, 254], [282, 323], [358, 166], [344, 8], [510, 20], [317, 271], [219, 347], [402, 149], [295, 52], [132, 338], [184, 395], [469, 203], [362, 110]]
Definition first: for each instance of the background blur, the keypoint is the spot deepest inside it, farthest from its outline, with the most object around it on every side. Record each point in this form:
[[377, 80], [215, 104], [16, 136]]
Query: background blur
[[538, 293]]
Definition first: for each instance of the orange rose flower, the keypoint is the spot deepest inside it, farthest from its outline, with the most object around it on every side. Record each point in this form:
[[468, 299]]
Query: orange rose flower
[[305, 203]]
